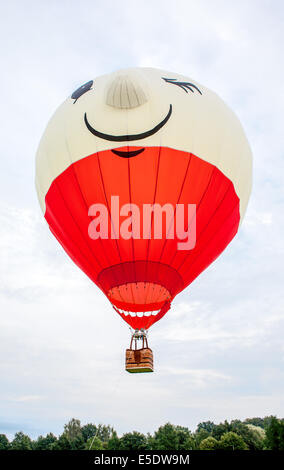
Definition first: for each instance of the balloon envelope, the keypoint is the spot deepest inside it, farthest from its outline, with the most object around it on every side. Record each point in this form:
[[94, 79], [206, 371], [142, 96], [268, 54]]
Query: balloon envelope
[[124, 145]]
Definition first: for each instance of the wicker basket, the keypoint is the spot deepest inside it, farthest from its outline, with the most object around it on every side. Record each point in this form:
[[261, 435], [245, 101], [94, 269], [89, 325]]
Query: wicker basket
[[139, 360]]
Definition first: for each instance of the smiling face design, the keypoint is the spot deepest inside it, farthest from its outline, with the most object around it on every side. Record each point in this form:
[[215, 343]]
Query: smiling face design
[[147, 136], [118, 89], [147, 108], [126, 94]]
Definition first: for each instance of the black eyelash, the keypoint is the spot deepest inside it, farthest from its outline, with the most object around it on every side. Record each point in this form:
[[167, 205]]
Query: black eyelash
[[184, 85], [81, 90]]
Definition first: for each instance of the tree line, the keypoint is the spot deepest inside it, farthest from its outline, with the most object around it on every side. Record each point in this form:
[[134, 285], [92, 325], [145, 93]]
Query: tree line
[[251, 434]]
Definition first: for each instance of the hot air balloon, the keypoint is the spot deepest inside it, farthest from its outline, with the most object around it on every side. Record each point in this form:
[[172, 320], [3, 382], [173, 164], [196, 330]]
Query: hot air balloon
[[143, 177]]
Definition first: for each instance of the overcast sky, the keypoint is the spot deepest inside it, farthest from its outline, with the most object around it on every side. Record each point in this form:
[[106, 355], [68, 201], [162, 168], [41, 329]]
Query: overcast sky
[[219, 352]]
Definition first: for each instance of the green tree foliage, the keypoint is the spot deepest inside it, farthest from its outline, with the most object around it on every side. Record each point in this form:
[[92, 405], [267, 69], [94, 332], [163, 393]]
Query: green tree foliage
[[78, 443], [4, 442], [94, 443], [257, 437], [261, 422], [255, 421], [190, 443], [221, 429], [281, 436], [209, 443], [74, 435], [133, 441], [267, 420], [251, 438], [45, 443], [113, 442], [21, 442], [72, 429], [200, 435], [170, 437], [103, 432], [62, 443], [88, 431], [232, 441], [207, 425], [251, 434], [275, 435]]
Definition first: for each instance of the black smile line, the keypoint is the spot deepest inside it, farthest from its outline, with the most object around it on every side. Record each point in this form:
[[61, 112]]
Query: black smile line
[[121, 138], [127, 154]]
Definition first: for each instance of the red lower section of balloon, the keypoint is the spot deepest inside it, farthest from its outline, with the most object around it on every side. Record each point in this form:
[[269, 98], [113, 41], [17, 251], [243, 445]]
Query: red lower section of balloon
[[141, 276]]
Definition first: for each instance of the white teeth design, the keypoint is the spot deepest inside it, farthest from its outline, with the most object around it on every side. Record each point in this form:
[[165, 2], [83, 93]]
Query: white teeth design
[[138, 314]]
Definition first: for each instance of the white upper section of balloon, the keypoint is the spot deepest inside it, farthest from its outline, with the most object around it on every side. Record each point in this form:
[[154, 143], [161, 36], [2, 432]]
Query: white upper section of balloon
[[134, 102]]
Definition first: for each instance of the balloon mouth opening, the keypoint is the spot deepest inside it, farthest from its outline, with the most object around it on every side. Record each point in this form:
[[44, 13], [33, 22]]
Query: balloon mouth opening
[[147, 298], [140, 287]]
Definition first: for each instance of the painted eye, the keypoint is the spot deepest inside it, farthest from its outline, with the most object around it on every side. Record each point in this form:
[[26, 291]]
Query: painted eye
[[81, 90], [184, 85]]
